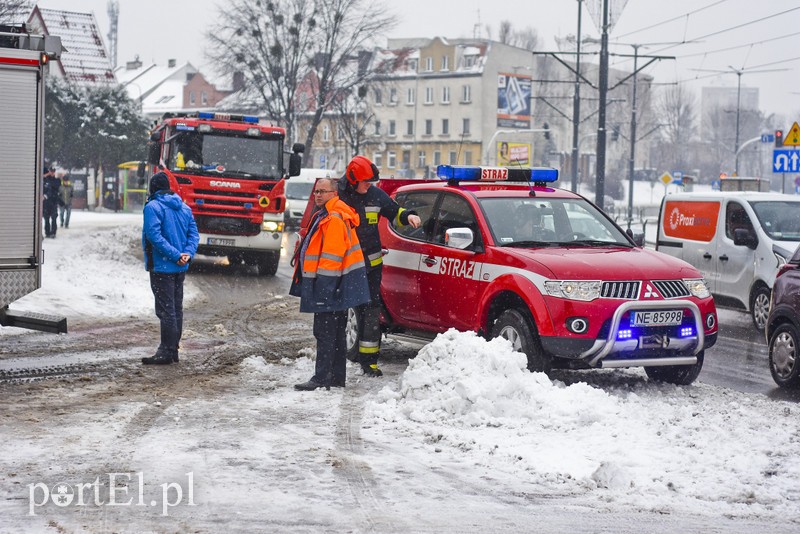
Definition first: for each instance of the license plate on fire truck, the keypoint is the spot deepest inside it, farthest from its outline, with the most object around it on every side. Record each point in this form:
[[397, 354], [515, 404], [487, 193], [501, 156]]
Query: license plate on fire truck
[[222, 242], [657, 318]]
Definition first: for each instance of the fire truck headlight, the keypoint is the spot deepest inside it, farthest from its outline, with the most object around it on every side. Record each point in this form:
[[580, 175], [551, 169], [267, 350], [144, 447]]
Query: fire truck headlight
[[585, 290], [697, 288], [204, 128], [272, 226]]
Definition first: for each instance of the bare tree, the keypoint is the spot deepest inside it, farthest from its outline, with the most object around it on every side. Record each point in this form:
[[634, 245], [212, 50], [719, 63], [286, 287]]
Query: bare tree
[[297, 56], [526, 38], [14, 11], [676, 109]]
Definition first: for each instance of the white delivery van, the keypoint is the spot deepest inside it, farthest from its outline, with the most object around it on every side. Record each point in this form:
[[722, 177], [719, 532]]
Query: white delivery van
[[737, 239], [298, 191]]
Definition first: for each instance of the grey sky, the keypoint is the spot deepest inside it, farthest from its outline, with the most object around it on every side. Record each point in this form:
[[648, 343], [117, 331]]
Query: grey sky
[[161, 29]]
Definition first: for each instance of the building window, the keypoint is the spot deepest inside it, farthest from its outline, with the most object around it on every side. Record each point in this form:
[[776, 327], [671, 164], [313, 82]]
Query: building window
[[204, 98], [392, 96], [392, 129], [445, 63], [339, 131], [377, 127], [453, 157], [378, 97], [429, 95], [429, 64], [411, 96], [428, 127], [445, 95], [445, 126], [326, 133], [377, 159], [437, 158], [467, 158], [192, 98], [391, 160], [409, 127], [469, 61], [465, 126], [421, 159], [466, 94], [411, 64]]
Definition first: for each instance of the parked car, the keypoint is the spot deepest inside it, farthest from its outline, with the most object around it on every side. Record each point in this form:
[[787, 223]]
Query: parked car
[[783, 325], [544, 268]]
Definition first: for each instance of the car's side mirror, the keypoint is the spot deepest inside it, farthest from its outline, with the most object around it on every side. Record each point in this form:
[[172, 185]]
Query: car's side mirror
[[744, 237], [295, 163], [638, 237], [459, 238]]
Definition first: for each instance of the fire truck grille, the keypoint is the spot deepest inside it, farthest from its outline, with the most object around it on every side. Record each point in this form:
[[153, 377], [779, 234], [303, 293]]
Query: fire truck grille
[[226, 225], [233, 194], [671, 289], [620, 290]]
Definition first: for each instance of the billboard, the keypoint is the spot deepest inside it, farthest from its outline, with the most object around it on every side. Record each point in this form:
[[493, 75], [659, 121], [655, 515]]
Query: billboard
[[513, 101], [513, 154]]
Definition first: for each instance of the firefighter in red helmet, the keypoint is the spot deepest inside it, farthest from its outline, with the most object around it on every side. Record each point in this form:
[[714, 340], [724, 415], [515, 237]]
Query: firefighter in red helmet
[[356, 189]]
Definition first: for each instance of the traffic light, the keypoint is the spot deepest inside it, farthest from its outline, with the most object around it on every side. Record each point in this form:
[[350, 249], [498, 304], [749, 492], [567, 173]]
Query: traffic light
[[778, 137], [547, 131]]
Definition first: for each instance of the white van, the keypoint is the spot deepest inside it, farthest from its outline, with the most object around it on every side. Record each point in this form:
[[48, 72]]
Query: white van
[[298, 190], [738, 240]]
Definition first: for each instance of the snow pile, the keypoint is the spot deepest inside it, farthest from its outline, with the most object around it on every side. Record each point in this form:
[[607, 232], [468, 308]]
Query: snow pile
[[652, 446]]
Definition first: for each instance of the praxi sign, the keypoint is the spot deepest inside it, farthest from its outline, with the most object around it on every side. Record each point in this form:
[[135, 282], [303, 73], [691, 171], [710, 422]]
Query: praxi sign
[[786, 161]]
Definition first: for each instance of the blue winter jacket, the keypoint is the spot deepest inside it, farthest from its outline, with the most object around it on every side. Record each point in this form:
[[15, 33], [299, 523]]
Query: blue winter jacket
[[169, 230]]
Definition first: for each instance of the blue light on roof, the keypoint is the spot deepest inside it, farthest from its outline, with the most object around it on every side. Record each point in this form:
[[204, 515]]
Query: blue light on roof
[[227, 117], [205, 115], [463, 173]]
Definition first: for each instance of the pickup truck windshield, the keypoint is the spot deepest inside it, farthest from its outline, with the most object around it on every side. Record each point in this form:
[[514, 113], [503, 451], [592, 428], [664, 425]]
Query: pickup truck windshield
[[223, 154]]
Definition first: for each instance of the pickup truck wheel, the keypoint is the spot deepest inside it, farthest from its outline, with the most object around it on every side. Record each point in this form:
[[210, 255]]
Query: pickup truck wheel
[[268, 263], [759, 306], [783, 362], [513, 326], [681, 375], [353, 334]]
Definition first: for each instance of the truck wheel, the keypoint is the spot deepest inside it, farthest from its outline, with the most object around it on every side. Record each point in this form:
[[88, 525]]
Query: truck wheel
[[513, 326], [783, 362], [759, 307], [681, 375], [268, 263], [353, 333]]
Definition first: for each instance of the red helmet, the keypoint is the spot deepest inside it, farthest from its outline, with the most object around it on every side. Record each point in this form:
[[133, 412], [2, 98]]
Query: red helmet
[[361, 169]]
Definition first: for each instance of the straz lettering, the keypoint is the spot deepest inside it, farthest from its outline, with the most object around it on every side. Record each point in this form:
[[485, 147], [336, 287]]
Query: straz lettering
[[494, 173], [217, 183], [457, 268]]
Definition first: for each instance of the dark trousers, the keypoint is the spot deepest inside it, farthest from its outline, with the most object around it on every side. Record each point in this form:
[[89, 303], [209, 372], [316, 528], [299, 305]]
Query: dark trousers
[[168, 292], [369, 344], [50, 220], [65, 212], [329, 330]]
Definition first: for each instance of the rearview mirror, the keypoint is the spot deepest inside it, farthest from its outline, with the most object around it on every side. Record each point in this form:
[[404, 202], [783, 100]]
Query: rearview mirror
[[295, 162], [744, 237], [459, 238]]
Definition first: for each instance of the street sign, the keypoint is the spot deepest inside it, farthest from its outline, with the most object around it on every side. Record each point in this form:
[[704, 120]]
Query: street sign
[[677, 177], [793, 137], [767, 138], [666, 178], [786, 160]]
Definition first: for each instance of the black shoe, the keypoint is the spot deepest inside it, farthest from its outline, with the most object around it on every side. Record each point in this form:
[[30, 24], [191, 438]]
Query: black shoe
[[337, 384], [371, 369], [311, 385], [158, 359]]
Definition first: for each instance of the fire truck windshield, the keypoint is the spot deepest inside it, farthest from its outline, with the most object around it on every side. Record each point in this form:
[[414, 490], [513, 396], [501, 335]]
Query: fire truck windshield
[[221, 154]]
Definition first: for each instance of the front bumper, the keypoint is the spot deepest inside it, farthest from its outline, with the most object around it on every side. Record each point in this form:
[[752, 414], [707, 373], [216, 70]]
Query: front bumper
[[221, 245]]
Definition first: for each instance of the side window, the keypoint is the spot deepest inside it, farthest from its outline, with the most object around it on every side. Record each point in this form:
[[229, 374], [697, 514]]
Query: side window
[[423, 204], [736, 218], [454, 212]]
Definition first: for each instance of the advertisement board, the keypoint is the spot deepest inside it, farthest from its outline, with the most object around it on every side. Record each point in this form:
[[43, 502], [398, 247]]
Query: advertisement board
[[513, 101]]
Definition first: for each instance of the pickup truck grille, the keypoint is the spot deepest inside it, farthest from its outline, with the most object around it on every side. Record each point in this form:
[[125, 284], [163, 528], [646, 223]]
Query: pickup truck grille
[[671, 289], [620, 290]]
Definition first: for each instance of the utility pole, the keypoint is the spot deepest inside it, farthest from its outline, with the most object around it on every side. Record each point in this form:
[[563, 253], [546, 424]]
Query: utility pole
[[600, 182], [633, 136], [576, 105]]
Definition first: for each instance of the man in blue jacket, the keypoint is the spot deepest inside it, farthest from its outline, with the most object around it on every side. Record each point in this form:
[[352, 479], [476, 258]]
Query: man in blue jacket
[[169, 240]]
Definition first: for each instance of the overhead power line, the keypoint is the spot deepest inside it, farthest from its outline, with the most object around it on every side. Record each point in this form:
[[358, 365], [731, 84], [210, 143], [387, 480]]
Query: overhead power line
[[685, 15], [754, 43]]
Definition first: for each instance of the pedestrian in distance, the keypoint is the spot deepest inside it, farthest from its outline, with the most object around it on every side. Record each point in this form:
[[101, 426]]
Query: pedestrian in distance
[[357, 191], [330, 277], [169, 240], [67, 191], [51, 188]]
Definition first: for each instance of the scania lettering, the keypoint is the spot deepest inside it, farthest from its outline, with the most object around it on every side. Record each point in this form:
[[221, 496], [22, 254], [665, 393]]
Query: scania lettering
[[24, 59], [229, 169]]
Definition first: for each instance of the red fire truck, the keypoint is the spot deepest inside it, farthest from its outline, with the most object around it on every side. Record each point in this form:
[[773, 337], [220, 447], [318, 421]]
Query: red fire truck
[[229, 169]]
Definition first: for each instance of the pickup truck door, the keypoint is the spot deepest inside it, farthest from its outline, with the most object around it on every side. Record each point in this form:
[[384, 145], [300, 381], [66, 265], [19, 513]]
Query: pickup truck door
[[735, 265]]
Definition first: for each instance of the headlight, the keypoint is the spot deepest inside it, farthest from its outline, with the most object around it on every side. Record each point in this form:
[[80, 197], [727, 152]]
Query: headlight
[[697, 288], [573, 290], [272, 226]]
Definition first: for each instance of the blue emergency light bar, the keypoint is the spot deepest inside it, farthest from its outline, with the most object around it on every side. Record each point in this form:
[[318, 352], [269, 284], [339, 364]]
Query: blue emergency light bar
[[464, 173], [227, 117]]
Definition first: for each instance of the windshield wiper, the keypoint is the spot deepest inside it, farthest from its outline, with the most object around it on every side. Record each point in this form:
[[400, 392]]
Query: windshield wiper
[[530, 244], [596, 243]]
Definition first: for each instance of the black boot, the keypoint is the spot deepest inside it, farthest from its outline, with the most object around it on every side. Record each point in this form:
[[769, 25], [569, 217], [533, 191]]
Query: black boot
[[311, 385], [371, 369], [160, 358]]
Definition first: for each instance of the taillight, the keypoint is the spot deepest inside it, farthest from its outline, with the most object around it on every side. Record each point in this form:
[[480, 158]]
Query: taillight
[[786, 267]]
